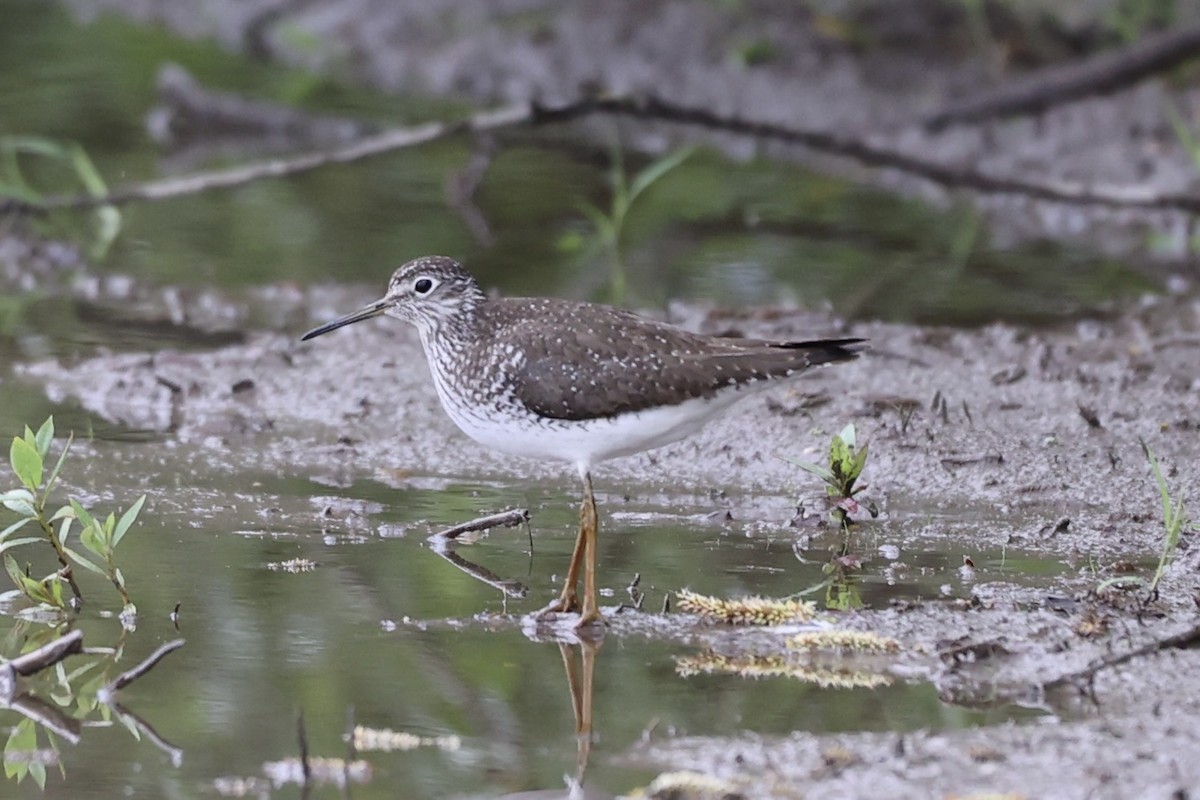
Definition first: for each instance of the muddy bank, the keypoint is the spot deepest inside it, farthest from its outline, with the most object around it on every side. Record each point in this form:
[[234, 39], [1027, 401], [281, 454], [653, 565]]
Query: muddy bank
[[1033, 426]]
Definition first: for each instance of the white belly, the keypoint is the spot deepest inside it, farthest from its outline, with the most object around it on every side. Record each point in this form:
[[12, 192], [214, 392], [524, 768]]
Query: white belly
[[587, 442]]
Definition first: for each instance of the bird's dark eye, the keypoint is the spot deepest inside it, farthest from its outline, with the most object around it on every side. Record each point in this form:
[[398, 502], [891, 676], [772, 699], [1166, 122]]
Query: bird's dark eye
[[423, 286]]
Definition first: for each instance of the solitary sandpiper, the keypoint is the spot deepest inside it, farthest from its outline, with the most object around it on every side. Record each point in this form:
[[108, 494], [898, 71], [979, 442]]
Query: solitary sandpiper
[[578, 382]]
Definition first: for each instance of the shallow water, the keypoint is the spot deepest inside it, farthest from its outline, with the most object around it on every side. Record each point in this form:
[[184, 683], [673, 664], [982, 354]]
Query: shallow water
[[364, 631]]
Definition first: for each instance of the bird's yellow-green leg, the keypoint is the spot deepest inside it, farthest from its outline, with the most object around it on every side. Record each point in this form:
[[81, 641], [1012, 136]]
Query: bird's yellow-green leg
[[568, 601], [590, 612]]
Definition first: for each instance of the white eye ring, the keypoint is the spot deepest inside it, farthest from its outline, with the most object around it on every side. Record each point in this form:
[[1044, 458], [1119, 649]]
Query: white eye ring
[[423, 286]]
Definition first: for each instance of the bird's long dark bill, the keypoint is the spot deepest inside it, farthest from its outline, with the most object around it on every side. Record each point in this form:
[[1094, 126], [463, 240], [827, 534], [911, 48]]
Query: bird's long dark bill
[[373, 310]]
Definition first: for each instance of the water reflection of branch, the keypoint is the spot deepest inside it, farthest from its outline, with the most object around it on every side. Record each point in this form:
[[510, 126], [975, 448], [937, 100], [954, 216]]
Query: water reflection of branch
[[146, 729], [511, 588], [442, 544], [49, 717]]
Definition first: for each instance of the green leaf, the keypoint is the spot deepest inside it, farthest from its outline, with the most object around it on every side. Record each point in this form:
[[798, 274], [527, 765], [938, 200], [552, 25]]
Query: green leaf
[[860, 462], [655, 172], [61, 458], [22, 740], [26, 463], [85, 562], [64, 530], [603, 225], [16, 526], [808, 466], [127, 519], [848, 436], [93, 539], [21, 541], [16, 494], [110, 524], [21, 506], [841, 461], [87, 172], [44, 436], [82, 514]]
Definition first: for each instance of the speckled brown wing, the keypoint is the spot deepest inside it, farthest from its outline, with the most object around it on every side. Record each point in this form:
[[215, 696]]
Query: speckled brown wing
[[604, 361]]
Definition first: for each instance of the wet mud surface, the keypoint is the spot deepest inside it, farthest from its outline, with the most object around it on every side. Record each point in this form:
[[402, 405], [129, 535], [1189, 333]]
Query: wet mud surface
[[997, 437]]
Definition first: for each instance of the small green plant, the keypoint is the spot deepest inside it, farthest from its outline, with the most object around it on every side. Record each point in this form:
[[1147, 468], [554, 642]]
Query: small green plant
[[846, 463], [608, 227], [1175, 521], [106, 219], [31, 503]]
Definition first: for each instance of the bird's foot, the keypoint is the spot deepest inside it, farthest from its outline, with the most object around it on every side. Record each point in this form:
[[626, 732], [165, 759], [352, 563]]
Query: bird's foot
[[567, 603], [591, 619]]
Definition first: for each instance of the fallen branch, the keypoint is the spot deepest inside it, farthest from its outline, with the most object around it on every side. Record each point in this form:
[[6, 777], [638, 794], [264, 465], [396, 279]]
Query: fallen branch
[[147, 664], [855, 149], [1177, 641], [1105, 72], [47, 655], [508, 519]]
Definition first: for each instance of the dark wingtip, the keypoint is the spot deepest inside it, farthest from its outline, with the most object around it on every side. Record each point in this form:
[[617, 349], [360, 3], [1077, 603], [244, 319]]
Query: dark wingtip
[[830, 351]]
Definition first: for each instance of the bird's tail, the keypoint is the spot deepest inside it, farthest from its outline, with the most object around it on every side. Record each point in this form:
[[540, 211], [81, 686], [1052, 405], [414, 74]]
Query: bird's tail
[[828, 351]]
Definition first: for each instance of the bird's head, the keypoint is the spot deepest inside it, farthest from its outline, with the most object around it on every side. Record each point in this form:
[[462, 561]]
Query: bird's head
[[428, 292]]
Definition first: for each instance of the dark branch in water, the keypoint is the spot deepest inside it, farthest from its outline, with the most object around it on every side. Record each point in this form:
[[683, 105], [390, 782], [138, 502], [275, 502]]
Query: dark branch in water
[[508, 519], [646, 108], [1178, 641], [47, 655], [129, 676]]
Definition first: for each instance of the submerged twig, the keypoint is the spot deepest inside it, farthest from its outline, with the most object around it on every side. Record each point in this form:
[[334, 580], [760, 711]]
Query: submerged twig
[[147, 664]]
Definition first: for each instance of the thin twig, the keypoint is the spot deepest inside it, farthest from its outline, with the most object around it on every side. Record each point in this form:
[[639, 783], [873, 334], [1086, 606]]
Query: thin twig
[[1180, 641], [302, 736], [147, 664], [508, 519], [855, 149]]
